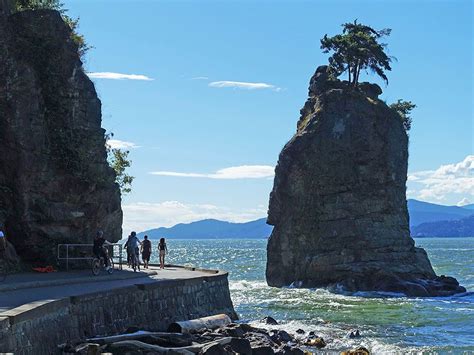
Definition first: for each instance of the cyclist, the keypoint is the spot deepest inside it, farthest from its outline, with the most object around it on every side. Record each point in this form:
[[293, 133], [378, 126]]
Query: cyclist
[[133, 247], [99, 250]]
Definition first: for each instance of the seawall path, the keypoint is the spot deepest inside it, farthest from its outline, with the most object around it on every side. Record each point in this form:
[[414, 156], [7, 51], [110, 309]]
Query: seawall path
[[38, 312]]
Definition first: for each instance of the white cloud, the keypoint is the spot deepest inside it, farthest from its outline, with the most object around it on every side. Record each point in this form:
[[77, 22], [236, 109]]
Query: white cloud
[[200, 78], [444, 183], [463, 202], [141, 216], [243, 85], [118, 144], [234, 172], [118, 76]]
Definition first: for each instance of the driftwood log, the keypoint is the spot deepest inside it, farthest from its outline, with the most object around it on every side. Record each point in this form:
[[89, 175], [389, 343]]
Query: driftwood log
[[154, 338], [122, 347], [189, 326]]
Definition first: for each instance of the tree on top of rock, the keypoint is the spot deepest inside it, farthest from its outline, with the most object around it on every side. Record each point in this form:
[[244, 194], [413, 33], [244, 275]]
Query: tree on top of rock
[[356, 49]]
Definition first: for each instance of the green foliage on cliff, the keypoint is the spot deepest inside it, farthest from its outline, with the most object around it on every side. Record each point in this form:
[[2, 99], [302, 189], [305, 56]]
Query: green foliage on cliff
[[78, 38], [119, 161], [404, 109], [357, 48], [22, 5]]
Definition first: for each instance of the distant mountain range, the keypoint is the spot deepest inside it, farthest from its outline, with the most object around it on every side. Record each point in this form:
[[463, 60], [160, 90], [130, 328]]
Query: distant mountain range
[[423, 212], [426, 220], [463, 227], [212, 228]]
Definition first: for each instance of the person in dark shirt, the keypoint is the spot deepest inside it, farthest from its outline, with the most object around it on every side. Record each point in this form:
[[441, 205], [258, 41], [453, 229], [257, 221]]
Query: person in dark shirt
[[163, 250], [146, 251], [99, 249]]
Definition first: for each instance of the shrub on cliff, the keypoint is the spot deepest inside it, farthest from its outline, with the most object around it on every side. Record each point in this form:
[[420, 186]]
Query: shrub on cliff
[[404, 109], [119, 161], [357, 48], [22, 5]]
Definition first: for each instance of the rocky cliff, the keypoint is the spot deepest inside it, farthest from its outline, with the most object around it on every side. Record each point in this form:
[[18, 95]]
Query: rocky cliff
[[338, 204], [55, 183]]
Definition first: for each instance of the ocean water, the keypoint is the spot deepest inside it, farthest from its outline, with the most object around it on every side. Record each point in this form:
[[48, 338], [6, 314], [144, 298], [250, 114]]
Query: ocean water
[[387, 324]]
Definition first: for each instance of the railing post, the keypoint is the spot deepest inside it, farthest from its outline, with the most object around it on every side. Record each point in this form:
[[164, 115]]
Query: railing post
[[67, 257], [120, 257]]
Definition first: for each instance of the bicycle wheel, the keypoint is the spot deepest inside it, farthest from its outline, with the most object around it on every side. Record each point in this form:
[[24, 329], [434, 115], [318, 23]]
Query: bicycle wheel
[[111, 264], [134, 263], [96, 266]]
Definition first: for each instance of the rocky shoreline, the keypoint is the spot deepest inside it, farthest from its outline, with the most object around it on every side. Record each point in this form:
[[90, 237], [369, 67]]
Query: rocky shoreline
[[221, 339]]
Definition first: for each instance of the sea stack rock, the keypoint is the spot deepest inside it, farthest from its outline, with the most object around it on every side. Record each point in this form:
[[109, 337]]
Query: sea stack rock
[[55, 183], [338, 204]]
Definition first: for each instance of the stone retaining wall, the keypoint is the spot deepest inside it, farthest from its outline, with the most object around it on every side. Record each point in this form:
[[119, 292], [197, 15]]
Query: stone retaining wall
[[37, 328]]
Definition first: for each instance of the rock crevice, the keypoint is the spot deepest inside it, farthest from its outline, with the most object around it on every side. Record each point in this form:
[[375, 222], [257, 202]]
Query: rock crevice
[[338, 204]]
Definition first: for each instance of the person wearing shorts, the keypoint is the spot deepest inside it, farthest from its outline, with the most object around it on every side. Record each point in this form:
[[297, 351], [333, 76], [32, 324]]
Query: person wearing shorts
[[163, 250], [146, 251]]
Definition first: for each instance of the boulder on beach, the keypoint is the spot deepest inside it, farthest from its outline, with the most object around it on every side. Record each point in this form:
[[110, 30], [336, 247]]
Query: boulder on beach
[[338, 204]]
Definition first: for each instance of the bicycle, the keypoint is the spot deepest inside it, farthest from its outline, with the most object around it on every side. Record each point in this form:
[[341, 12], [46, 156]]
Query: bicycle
[[135, 262], [98, 264]]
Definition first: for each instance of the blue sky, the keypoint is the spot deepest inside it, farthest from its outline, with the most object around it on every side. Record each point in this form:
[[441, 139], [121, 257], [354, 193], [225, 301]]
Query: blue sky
[[227, 80]]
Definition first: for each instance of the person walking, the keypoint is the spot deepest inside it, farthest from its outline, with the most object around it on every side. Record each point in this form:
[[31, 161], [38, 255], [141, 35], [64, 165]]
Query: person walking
[[163, 250], [127, 249], [146, 251]]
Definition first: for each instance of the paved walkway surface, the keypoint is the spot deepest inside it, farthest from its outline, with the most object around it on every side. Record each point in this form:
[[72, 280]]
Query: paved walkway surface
[[20, 289]]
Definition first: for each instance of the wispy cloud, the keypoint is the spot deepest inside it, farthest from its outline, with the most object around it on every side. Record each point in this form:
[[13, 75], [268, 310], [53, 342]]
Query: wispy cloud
[[118, 144], [234, 172], [444, 183], [200, 78], [118, 76], [243, 85], [141, 216]]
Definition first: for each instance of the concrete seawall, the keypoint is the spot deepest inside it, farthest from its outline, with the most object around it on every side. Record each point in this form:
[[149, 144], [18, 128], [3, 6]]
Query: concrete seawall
[[38, 327]]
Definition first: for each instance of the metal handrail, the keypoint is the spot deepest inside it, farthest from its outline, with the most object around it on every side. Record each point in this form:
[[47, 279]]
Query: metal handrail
[[67, 257]]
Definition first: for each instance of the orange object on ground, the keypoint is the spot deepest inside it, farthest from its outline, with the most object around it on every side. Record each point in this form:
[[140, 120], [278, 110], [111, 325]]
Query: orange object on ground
[[48, 268]]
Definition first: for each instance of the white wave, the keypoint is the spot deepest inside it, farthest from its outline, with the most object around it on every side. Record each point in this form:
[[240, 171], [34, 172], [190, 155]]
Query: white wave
[[336, 336], [246, 285]]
